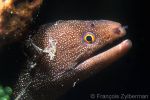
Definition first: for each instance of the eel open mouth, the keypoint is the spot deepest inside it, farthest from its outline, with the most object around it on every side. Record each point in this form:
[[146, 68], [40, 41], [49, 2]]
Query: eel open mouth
[[105, 56]]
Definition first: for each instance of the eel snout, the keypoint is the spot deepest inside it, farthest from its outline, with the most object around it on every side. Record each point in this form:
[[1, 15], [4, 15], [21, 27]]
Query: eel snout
[[119, 30]]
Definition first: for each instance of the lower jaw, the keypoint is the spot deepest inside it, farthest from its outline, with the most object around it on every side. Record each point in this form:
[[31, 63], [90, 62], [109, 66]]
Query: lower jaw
[[106, 57]]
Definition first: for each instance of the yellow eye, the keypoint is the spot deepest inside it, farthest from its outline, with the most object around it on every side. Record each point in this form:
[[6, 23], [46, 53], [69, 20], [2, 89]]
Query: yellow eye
[[89, 37]]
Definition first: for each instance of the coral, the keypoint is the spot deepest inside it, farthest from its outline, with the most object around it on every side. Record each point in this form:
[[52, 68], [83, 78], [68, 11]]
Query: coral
[[15, 16]]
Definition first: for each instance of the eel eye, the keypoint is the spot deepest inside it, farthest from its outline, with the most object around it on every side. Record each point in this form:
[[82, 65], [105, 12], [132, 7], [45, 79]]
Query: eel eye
[[89, 37]]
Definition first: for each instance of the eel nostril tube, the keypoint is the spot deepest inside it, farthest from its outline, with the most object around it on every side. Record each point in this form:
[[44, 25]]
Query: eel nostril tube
[[125, 27]]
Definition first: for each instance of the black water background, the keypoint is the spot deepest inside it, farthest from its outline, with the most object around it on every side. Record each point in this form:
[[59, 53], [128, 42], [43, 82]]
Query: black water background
[[128, 75]]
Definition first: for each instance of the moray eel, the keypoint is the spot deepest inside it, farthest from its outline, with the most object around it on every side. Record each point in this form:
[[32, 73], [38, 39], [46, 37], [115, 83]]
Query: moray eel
[[62, 54]]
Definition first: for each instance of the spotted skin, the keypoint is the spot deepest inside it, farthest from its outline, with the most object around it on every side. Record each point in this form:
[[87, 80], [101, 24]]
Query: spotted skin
[[61, 57]]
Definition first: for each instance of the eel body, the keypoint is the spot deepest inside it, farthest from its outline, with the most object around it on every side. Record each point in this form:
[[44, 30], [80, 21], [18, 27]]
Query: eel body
[[67, 52]]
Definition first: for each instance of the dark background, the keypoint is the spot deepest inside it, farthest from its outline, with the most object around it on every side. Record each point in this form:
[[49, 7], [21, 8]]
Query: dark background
[[129, 75]]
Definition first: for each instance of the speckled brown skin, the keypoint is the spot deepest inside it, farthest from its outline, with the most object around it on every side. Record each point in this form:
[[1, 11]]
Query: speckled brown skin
[[73, 61], [15, 16]]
